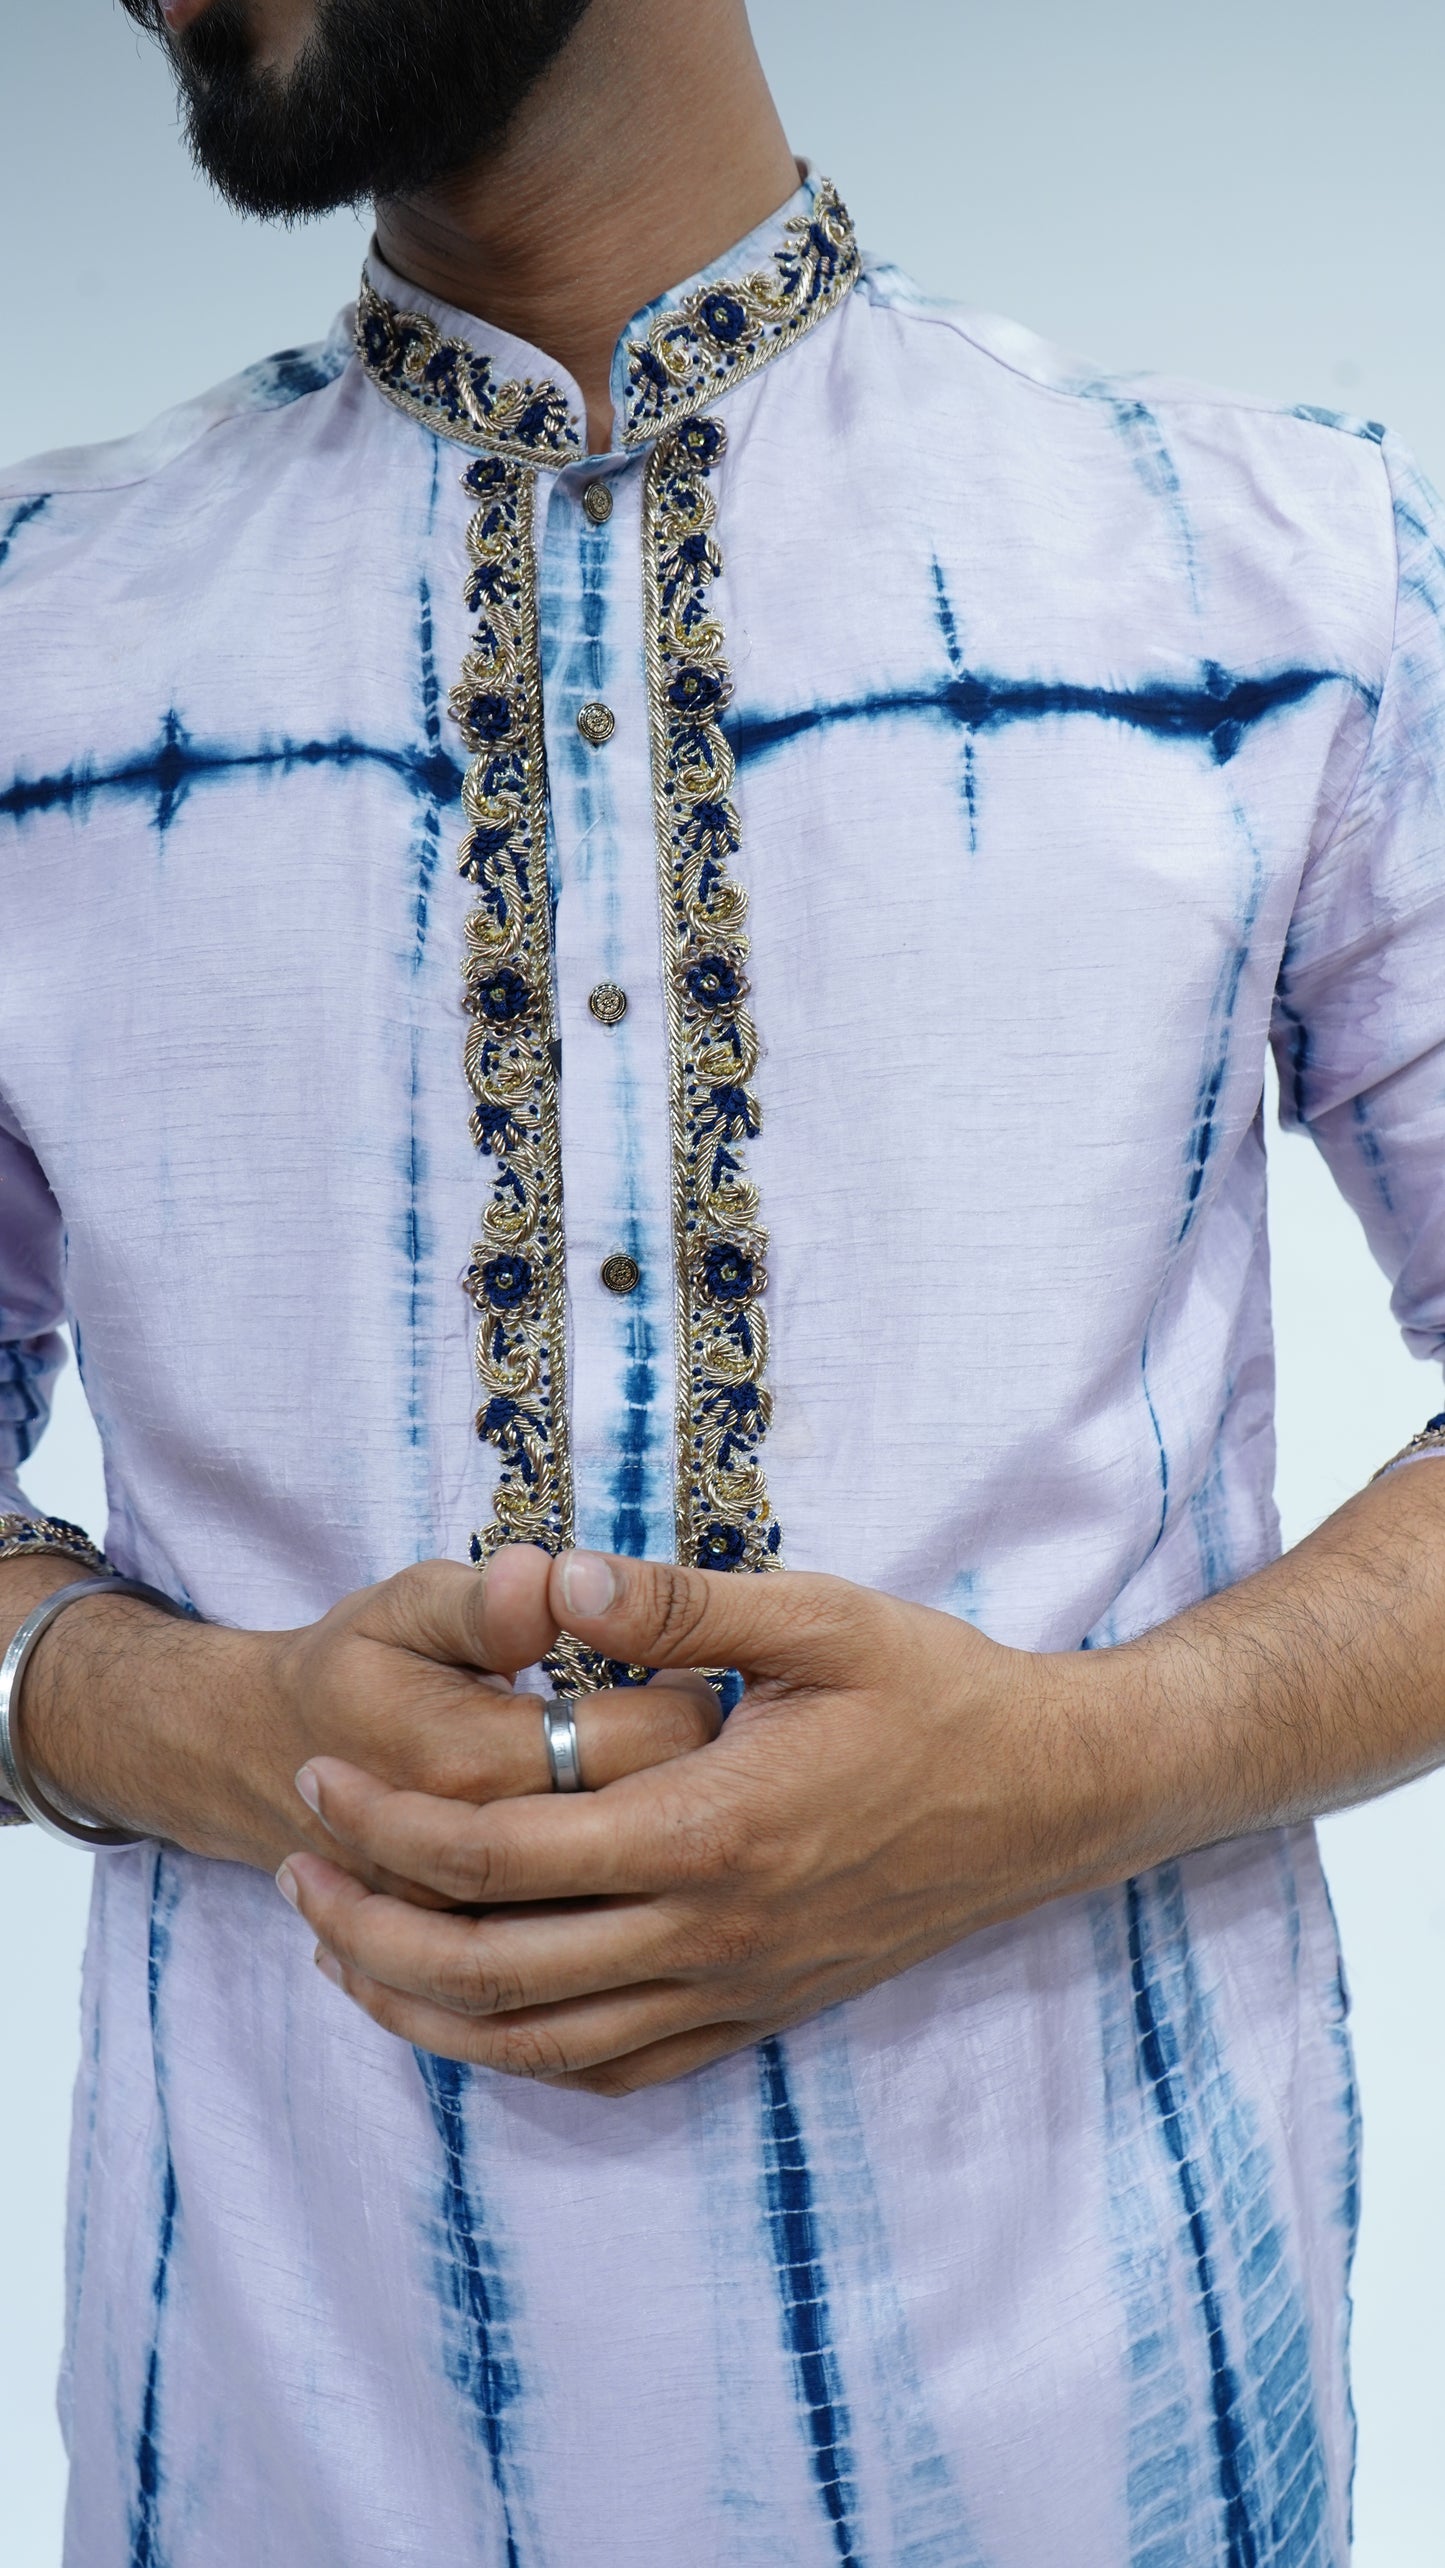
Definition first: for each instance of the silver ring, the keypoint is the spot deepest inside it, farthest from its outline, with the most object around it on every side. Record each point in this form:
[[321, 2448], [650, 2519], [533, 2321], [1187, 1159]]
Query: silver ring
[[564, 1756]]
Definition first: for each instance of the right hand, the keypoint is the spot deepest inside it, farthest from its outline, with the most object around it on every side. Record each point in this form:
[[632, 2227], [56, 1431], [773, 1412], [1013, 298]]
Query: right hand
[[195, 1733]]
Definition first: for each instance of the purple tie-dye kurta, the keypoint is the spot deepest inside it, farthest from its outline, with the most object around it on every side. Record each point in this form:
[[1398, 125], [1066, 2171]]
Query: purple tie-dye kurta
[[1070, 739]]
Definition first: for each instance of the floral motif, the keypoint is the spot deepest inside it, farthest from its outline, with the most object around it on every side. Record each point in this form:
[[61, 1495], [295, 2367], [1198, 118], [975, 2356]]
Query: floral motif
[[454, 389], [724, 1519], [691, 354], [516, 1279], [698, 349]]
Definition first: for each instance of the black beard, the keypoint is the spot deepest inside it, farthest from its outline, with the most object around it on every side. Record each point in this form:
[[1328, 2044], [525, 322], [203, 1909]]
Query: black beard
[[385, 96]]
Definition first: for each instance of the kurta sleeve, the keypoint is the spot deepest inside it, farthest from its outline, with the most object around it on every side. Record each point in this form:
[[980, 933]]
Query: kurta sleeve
[[31, 1348], [1359, 1030]]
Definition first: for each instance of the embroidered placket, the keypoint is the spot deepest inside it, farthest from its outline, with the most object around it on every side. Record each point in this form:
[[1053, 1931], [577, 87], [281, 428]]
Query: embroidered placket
[[724, 1520], [688, 357]]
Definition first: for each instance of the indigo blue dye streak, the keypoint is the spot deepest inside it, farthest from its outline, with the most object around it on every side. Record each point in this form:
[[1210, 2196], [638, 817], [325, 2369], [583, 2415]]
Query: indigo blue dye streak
[[479, 2359], [167, 771], [1220, 711], [1269, 2461], [23, 514], [803, 2298], [145, 2542]]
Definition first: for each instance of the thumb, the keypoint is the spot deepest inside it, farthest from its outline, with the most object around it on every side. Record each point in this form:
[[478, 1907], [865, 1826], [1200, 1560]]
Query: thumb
[[783, 1624], [500, 1620]]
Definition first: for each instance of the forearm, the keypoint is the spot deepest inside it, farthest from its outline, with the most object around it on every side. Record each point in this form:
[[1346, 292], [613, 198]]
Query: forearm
[[1314, 1684], [113, 1705]]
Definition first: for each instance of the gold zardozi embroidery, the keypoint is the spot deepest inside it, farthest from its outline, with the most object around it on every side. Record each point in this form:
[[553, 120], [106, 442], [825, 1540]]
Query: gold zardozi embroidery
[[691, 354], [701, 348], [21, 1534], [451, 388], [517, 1276], [724, 1520]]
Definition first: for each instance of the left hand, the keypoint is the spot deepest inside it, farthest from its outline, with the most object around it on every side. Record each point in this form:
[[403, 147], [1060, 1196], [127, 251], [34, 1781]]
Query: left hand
[[890, 1782]]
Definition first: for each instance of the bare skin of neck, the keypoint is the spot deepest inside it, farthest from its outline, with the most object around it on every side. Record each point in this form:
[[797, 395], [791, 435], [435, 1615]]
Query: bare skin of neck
[[650, 146]]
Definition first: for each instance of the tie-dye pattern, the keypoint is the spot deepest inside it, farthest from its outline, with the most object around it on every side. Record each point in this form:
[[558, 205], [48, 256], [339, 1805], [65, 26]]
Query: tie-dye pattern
[[1090, 736]]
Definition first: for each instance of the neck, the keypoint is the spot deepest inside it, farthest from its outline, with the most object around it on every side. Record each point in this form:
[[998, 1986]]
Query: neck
[[650, 146]]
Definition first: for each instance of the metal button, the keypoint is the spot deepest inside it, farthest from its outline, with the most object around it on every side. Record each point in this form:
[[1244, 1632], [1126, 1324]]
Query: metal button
[[621, 1275], [596, 722], [597, 502], [608, 1003]]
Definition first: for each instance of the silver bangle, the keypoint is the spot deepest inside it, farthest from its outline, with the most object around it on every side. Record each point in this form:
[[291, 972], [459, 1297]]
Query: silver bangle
[[16, 1784], [564, 1756]]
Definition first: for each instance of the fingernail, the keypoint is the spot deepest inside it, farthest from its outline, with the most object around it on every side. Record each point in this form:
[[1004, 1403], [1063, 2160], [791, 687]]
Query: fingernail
[[588, 1584], [309, 1789], [328, 1966], [288, 1885]]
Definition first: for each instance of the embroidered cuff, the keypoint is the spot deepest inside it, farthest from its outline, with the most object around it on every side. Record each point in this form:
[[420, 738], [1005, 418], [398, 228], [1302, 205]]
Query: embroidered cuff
[[19, 1534], [1431, 1439]]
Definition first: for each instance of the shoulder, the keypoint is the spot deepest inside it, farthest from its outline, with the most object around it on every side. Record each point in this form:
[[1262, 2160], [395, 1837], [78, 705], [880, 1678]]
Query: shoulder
[[248, 402], [1285, 512], [1052, 379]]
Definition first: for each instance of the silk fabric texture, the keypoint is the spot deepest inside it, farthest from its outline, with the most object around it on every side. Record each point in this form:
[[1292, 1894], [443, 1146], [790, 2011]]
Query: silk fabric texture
[[1087, 738]]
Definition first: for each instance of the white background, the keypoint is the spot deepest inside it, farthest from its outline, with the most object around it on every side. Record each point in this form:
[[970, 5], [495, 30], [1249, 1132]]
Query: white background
[[1252, 192]]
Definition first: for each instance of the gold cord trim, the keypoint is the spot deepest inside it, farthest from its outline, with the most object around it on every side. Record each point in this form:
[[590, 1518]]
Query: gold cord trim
[[700, 349], [452, 388], [517, 1276], [724, 1520], [20, 1535], [691, 355]]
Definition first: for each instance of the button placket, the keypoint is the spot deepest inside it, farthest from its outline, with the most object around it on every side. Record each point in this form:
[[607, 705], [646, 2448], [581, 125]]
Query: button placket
[[614, 1102]]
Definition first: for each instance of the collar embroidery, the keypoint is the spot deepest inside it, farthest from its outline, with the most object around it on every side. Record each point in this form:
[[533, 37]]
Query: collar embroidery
[[692, 353], [700, 349], [455, 389]]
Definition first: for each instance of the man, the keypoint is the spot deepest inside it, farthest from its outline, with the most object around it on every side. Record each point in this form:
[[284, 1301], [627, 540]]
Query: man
[[873, 790]]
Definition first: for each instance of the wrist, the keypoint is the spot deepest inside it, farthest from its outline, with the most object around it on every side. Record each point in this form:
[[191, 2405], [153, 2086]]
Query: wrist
[[123, 1710], [1118, 1755]]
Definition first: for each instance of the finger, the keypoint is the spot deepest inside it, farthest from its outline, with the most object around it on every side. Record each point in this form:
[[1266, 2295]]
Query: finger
[[626, 1731], [595, 1844], [478, 1966], [558, 2043], [499, 1619], [445, 1839], [662, 2063], [808, 1630], [501, 1754]]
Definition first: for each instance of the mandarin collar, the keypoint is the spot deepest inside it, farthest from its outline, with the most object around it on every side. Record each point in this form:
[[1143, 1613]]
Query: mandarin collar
[[483, 388]]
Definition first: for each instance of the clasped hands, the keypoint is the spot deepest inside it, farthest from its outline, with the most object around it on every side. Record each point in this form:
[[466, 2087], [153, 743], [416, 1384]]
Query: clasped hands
[[890, 1782]]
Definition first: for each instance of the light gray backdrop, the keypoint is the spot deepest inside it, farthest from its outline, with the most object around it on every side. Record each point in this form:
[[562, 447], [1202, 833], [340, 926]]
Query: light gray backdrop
[[1251, 192]]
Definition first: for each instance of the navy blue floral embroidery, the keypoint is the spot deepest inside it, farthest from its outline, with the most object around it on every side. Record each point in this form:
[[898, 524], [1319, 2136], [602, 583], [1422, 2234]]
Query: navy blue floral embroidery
[[698, 349], [505, 1282], [721, 1547], [455, 390], [691, 354], [724, 1518], [504, 996], [715, 982]]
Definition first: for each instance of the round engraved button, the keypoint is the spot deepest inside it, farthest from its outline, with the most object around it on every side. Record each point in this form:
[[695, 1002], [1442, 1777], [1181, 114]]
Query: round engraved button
[[608, 1003], [621, 1275], [597, 502], [596, 722]]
